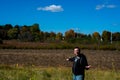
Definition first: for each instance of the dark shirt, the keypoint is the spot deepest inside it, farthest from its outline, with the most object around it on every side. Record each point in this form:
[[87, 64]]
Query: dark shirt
[[79, 63]]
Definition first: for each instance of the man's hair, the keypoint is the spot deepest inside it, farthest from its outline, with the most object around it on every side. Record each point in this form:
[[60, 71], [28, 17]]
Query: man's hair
[[78, 49]]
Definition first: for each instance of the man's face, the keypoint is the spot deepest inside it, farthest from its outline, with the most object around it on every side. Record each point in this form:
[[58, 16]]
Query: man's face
[[76, 51]]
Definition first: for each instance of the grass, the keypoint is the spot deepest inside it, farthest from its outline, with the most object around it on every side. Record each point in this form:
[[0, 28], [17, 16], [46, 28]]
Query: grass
[[34, 73], [102, 75], [53, 73]]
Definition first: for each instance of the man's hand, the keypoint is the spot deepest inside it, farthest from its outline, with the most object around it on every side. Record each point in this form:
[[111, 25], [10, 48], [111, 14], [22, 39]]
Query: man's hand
[[67, 59], [87, 67]]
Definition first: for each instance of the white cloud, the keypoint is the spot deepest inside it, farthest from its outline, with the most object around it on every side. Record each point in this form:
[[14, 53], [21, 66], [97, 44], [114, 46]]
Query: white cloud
[[51, 8], [98, 7], [111, 6]]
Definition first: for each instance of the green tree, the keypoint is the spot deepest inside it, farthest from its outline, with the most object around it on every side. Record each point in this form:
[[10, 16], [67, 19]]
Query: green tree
[[116, 36], [69, 34], [13, 33], [35, 28], [59, 36], [18, 27], [46, 36], [35, 31], [25, 34], [106, 36], [41, 36], [4, 29], [96, 36], [52, 36], [7, 27], [1, 32], [25, 29]]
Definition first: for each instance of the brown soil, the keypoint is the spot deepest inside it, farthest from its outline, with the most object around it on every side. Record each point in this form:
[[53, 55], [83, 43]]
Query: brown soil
[[45, 58]]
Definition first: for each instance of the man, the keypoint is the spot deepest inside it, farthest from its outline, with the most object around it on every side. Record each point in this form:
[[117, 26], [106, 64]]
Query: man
[[79, 64]]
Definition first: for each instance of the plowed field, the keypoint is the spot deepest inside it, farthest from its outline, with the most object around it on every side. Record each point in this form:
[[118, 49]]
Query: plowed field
[[46, 58]]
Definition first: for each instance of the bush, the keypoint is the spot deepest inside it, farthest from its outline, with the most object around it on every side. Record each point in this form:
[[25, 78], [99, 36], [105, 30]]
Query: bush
[[107, 47]]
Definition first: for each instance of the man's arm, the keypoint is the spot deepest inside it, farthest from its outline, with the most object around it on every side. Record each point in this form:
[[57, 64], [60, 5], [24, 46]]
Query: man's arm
[[70, 59], [86, 63]]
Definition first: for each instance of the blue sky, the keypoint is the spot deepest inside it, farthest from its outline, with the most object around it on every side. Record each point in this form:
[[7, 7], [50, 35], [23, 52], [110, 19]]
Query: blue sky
[[84, 16]]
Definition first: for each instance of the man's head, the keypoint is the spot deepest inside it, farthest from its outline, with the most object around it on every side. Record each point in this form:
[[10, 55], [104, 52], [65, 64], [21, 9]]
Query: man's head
[[76, 50]]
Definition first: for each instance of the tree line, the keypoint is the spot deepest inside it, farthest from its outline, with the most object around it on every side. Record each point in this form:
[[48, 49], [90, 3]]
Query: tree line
[[33, 33]]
